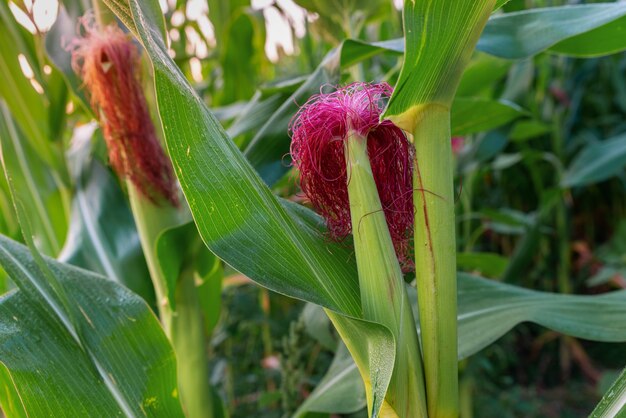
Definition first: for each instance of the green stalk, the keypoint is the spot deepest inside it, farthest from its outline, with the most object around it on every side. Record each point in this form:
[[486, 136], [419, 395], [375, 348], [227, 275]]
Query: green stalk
[[383, 292], [184, 327], [562, 224], [151, 220], [440, 36], [188, 338], [466, 392], [435, 259]]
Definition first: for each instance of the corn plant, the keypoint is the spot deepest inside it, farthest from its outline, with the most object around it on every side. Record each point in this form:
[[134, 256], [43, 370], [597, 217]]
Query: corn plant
[[115, 288]]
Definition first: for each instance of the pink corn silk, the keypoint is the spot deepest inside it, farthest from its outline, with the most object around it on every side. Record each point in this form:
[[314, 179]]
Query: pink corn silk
[[318, 132], [108, 63], [458, 142]]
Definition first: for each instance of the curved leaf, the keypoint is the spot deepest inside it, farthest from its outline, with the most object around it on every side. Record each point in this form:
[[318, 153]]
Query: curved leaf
[[472, 115], [27, 105], [613, 403], [373, 349], [606, 39], [489, 309], [54, 374], [340, 391], [598, 161], [524, 34], [318, 325], [237, 216], [38, 187]]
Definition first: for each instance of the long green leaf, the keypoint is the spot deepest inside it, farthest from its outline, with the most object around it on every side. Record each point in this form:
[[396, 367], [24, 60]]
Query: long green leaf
[[339, 392], [373, 349], [603, 40], [237, 216], [472, 115], [598, 161], [489, 309], [53, 374], [26, 104], [318, 325], [440, 38], [38, 187], [571, 30], [613, 403]]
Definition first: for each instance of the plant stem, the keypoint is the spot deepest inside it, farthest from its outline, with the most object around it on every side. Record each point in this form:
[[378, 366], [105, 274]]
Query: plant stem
[[184, 327], [435, 258], [383, 292], [188, 339], [466, 397], [562, 224], [151, 220]]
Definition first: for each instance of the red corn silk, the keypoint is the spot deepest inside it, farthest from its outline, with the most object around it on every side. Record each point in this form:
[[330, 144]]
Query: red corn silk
[[458, 142], [108, 62], [318, 132]]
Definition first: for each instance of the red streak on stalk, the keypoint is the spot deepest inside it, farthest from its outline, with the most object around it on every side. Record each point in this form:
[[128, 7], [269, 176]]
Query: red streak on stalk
[[427, 222]]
